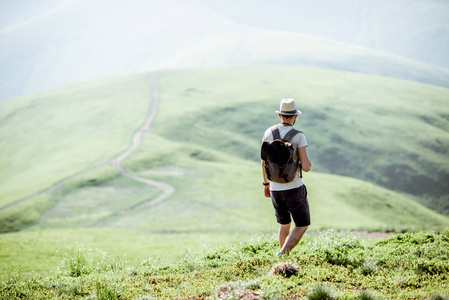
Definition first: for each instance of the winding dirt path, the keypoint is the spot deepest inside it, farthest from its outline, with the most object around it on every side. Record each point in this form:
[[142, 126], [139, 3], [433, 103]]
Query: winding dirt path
[[167, 189]]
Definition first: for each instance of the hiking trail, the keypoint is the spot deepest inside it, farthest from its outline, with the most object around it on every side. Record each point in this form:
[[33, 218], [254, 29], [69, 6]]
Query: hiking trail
[[167, 189]]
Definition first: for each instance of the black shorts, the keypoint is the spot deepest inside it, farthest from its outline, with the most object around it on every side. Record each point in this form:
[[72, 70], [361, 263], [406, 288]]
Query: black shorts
[[291, 204]]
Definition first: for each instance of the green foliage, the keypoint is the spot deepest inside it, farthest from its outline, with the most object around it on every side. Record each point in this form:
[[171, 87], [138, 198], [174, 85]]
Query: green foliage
[[321, 292], [366, 296], [106, 291], [245, 269], [426, 253], [71, 291], [438, 297], [76, 263], [367, 268], [81, 261], [337, 249]]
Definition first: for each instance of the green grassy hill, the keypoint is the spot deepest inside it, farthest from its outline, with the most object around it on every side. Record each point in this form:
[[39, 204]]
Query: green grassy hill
[[390, 132], [52, 135], [205, 143]]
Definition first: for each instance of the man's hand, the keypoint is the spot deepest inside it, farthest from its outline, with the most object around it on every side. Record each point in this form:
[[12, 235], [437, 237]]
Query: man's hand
[[266, 190]]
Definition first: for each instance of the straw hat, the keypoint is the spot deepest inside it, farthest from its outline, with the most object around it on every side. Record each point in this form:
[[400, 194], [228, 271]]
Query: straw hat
[[288, 107]]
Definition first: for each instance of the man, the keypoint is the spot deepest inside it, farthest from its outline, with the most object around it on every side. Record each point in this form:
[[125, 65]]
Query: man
[[289, 199]]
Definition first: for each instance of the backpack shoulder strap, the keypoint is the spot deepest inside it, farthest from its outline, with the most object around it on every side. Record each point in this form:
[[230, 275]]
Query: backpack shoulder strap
[[275, 132], [288, 138], [291, 134]]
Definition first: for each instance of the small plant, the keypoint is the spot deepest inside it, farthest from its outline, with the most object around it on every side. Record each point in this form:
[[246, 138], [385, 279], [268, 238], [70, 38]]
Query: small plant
[[71, 291], [190, 261], [76, 262], [285, 269], [81, 261], [119, 265], [366, 296], [321, 292], [367, 268], [438, 297], [106, 291], [252, 285]]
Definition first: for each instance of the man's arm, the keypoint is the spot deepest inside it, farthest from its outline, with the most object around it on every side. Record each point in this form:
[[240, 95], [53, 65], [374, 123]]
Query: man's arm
[[304, 159], [266, 188]]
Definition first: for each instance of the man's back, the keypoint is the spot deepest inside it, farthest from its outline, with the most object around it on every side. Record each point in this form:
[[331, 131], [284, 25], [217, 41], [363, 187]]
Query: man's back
[[298, 141]]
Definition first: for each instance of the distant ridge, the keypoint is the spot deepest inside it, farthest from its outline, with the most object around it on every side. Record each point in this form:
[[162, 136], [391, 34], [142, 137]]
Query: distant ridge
[[82, 39], [415, 29]]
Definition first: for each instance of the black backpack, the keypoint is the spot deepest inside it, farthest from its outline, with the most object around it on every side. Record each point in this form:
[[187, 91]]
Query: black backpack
[[278, 156]]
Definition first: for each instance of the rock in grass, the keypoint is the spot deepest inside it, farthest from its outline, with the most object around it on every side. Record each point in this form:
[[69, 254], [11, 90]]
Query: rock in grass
[[285, 269]]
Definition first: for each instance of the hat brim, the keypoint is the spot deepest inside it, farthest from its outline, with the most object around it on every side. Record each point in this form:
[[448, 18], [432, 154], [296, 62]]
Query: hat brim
[[289, 113]]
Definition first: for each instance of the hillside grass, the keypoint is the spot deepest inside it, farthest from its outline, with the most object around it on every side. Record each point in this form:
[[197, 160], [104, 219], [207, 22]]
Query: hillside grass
[[394, 133], [55, 134], [39, 251], [329, 266], [214, 197], [203, 212], [205, 143]]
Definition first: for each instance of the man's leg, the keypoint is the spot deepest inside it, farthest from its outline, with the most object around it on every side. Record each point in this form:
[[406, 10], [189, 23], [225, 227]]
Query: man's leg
[[292, 239], [284, 231]]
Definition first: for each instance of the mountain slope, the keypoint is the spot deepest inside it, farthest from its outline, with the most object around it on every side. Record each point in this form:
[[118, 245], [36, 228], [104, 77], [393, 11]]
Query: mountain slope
[[416, 29], [205, 142], [81, 39], [390, 132], [52, 135]]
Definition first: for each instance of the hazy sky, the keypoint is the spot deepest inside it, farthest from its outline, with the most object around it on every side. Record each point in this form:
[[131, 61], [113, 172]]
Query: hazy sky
[[47, 43]]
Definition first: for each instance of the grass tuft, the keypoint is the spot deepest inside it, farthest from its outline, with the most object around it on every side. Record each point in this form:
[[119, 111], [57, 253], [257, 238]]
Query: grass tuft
[[106, 291], [366, 296], [321, 292], [82, 261], [438, 297]]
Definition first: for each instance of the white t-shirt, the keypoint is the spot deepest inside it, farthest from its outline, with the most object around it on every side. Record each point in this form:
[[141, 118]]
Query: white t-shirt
[[298, 141]]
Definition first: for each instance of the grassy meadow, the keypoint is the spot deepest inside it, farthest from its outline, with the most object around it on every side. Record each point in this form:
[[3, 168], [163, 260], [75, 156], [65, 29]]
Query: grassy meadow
[[52, 135], [329, 266], [378, 148]]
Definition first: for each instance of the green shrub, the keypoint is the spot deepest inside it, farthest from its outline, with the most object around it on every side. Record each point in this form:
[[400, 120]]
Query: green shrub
[[422, 252], [321, 292], [76, 262], [82, 261], [105, 291], [367, 268], [366, 296], [71, 291], [338, 249], [438, 297]]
